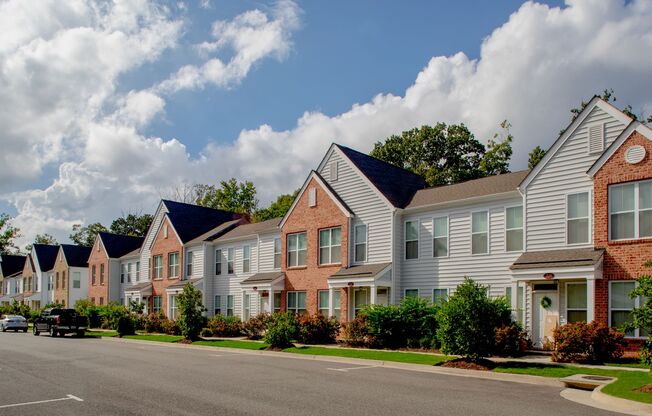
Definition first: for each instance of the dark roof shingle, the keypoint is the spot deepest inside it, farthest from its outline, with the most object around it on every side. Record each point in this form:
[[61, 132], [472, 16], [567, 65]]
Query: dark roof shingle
[[191, 221], [365, 270], [267, 277], [11, 264], [558, 258], [76, 256], [46, 255], [252, 229], [118, 245]]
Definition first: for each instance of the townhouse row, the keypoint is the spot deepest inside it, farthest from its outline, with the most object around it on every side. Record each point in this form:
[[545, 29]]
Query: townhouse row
[[563, 242]]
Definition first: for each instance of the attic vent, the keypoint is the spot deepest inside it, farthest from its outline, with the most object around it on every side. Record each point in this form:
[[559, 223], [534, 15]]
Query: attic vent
[[312, 197], [165, 232], [334, 171], [634, 154], [596, 138]]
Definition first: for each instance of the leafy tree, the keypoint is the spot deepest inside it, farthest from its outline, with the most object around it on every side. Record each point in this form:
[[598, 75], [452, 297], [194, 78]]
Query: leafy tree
[[642, 316], [277, 208], [535, 157], [132, 224], [609, 96], [231, 196], [136, 306], [42, 239], [8, 234], [85, 236], [190, 320], [496, 159], [282, 329]]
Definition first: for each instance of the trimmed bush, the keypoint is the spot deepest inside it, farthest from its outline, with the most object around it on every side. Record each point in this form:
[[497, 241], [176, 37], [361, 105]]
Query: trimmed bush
[[205, 332], [190, 319], [256, 326], [125, 326], [582, 342], [355, 333], [225, 326], [511, 340], [170, 327], [282, 329], [111, 313], [385, 325], [419, 322], [152, 323], [318, 329]]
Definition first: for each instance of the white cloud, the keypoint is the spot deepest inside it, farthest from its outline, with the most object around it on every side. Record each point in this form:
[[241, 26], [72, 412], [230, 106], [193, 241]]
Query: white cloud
[[531, 70]]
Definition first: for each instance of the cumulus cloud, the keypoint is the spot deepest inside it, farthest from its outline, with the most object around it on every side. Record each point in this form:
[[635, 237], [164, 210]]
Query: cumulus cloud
[[531, 70]]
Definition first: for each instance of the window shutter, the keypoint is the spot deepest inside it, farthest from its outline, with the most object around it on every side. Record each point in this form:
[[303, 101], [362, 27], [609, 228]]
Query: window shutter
[[596, 138], [312, 197]]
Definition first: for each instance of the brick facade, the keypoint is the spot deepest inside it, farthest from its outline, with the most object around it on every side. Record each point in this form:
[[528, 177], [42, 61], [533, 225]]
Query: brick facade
[[312, 277], [623, 259], [163, 246], [61, 280], [99, 289], [28, 277]]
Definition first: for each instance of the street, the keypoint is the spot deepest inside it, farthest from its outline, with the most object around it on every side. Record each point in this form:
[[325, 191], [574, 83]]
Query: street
[[68, 376]]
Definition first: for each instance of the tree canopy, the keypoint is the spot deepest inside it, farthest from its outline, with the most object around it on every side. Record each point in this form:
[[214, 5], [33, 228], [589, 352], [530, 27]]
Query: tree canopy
[[535, 157], [231, 196], [277, 208], [85, 235], [445, 154], [8, 233], [42, 239], [132, 224]]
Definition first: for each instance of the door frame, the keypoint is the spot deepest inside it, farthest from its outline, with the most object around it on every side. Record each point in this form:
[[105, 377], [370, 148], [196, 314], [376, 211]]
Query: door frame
[[537, 323]]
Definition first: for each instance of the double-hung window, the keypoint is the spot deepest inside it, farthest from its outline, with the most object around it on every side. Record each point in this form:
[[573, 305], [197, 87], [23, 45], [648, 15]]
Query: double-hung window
[[277, 302], [217, 307], [246, 259], [296, 302], [336, 303], [137, 271], [158, 267], [439, 295], [173, 307], [93, 275], [411, 293], [129, 272], [229, 305], [577, 218], [621, 305], [576, 302], [330, 246], [102, 274], [360, 247], [480, 232], [173, 265], [323, 302], [630, 211], [246, 306], [440, 237], [230, 258], [277, 253], [514, 228], [296, 249], [218, 262], [156, 304], [411, 240], [76, 280], [189, 259]]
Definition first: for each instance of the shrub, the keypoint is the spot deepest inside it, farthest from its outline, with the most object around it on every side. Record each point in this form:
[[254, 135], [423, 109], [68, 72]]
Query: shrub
[[642, 316], [583, 342], [256, 326], [385, 325], [170, 327], [111, 313], [318, 329], [152, 323], [190, 320], [225, 326], [139, 321], [125, 326], [281, 330], [205, 332], [419, 322], [511, 340], [467, 321], [355, 333]]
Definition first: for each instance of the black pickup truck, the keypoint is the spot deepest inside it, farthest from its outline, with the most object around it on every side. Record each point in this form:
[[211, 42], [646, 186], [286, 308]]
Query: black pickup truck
[[59, 321]]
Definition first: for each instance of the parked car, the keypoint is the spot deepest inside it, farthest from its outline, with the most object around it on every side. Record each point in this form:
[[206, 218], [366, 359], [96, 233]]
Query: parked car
[[59, 321], [14, 322]]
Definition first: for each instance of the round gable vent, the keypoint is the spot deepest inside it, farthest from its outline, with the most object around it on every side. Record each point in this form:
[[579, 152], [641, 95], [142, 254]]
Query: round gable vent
[[634, 154]]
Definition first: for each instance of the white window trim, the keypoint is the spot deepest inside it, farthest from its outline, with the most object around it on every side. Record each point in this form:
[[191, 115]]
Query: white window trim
[[406, 290], [636, 211], [189, 266], [488, 252], [170, 266], [218, 260], [170, 308], [448, 238], [590, 214], [355, 244], [586, 309], [296, 309], [330, 246], [287, 242], [155, 268], [280, 253], [319, 292], [230, 259], [405, 240], [248, 258], [246, 306], [510, 229], [232, 308], [637, 303], [217, 304], [448, 292]]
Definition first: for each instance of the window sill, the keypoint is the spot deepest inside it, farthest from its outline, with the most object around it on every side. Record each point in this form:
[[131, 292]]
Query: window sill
[[630, 241], [297, 268], [323, 266]]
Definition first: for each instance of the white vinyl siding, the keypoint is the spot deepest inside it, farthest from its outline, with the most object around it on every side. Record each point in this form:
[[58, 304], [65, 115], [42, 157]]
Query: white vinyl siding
[[565, 173], [630, 211]]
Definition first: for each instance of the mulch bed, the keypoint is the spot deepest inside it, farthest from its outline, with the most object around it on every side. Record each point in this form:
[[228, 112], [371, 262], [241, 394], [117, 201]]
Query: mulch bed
[[184, 341], [645, 389], [466, 364]]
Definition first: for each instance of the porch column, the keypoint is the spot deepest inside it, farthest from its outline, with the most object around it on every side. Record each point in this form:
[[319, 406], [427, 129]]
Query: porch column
[[331, 295], [514, 297], [374, 291], [271, 301], [590, 300]]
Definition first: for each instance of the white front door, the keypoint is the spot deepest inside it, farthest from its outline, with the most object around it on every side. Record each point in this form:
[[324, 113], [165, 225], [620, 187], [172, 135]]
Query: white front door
[[545, 319], [264, 304]]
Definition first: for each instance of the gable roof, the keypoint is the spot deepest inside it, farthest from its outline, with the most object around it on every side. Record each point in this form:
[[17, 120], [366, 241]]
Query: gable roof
[[117, 245], [46, 255], [190, 221], [76, 256], [606, 155], [558, 258], [216, 232], [497, 184], [256, 228], [11, 264], [396, 184], [574, 124]]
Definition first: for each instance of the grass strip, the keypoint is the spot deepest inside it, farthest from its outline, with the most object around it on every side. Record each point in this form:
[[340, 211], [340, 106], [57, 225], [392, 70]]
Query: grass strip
[[235, 343], [400, 357]]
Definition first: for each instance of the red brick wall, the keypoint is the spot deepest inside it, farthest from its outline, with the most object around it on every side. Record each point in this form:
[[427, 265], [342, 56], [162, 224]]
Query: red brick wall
[[27, 274], [163, 246], [61, 268], [97, 290], [312, 277], [623, 259]]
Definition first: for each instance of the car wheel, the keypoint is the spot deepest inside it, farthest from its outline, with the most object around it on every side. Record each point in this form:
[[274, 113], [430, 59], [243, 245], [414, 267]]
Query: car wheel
[[35, 331], [4, 329], [80, 334], [25, 330], [53, 332]]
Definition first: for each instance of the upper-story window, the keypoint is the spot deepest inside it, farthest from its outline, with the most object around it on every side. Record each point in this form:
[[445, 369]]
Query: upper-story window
[[330, 246], [480, 232], [360, 244], [102, 273], [123, 273], [137, 271], [630, 211], [129, 272], [296, 249], [218, 262], [440, 237], [577, 218], [173, 264], [189, 256], [158, 267], [230, 257], [277, 253], [514, 228], [411, 240], [246, 259], [93, 276]]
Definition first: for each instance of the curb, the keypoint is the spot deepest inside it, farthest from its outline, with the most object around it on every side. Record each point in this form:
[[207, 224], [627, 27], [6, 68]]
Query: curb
[[486, 375], [622, 405]]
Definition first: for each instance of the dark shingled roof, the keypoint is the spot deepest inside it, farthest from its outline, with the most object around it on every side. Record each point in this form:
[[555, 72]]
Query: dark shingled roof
[[558, 258], [245, 230], [46, 256], [139, 287], [216, 232], [76, 256], [262, 278], [183, 283], [118, 245], [11, 264], [490, 185], [397, 184], [366, 270], [191, 221]]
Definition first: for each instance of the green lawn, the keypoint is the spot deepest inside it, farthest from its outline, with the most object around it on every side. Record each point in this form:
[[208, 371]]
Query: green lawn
[[155, 337], [401, 357], [99, 334], [232, 343]]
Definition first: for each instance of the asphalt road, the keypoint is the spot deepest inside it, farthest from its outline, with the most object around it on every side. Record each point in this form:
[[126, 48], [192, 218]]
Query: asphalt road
[[114, 378]]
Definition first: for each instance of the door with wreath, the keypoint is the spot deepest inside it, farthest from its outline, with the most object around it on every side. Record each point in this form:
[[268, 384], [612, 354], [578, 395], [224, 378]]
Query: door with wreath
[[545, 318]]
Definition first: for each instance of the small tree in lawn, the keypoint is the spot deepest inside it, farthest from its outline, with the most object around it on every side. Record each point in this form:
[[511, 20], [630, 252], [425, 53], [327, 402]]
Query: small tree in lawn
[[642, 316], [190, 320], [467, 321]]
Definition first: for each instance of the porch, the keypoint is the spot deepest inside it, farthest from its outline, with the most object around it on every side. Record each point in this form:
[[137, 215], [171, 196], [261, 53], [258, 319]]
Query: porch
[[265, 290], [368, 284]]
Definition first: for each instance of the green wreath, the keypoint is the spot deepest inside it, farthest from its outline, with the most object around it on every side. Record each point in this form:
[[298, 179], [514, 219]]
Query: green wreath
[[546, 302]]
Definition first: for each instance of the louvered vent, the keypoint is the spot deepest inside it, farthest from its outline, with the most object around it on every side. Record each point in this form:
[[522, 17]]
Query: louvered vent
[[334, 172], [634, 154], [596, 138], [312, 197]]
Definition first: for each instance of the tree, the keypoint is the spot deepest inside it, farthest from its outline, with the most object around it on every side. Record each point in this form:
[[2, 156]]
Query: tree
[[642, 316], [496, 159], [42, 239], [608, 95], [8, 234], [231, 196], [277, 208], [535, 157], [132, 224], [190, 320], [85, 236]]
